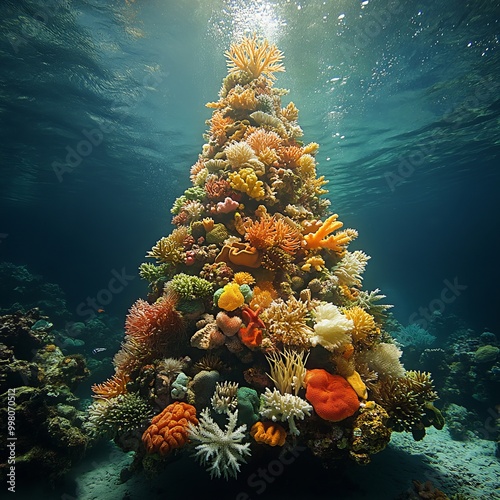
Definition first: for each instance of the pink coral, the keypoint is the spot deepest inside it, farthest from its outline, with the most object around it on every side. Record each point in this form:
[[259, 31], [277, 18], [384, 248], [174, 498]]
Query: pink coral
[[227, 206]]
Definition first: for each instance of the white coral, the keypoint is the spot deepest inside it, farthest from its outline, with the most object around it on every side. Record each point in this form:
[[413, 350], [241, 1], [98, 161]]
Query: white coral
[[277, 406], [384, 359], [221, 450], [331, 328], [351, 267]]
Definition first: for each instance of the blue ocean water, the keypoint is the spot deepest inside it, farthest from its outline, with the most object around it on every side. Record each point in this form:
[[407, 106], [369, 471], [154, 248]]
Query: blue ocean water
[[102, 108]]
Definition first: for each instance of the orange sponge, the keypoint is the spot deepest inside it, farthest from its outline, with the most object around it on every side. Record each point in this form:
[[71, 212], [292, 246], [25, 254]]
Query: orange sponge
[[168, 429], [331, 396], [268, 433]]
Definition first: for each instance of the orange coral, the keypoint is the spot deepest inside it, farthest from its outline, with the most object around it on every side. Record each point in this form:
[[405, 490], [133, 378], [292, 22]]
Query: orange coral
[[320, 238], [112, 387], [196, 169], [168, 429], [251, 334], [243, 100], [218, 124], [290, 155], [255, 57], [263, 295], [272, 231], [268, 433], [239, 254], [243, 278], [262, 139], [331, 396]]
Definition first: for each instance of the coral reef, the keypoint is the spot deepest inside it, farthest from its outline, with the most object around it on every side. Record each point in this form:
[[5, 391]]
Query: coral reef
[[257, 292], [37, 382]]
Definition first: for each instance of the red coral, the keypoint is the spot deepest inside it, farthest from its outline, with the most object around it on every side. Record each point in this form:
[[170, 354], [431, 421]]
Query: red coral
[[251, 335], [217, 189], [332, 396]]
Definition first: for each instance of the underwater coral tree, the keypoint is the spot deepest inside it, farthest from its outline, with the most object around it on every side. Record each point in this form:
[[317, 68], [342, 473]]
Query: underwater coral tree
[[256, 311]]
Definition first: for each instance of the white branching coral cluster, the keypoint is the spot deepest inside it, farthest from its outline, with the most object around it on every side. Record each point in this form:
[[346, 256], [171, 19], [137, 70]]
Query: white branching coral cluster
[[284, 407], [224, 398], [221, 451], [332, 328], [351, 267]]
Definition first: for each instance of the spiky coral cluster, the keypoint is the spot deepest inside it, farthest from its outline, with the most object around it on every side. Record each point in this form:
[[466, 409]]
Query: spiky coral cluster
[[261, 279]]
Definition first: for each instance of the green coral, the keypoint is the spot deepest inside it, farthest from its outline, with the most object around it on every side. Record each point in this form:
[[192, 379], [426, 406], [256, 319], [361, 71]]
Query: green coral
[[248, 405], [190, 287], [153, 273], [125, 413], [218, 234], [196, 193], [486, 354]]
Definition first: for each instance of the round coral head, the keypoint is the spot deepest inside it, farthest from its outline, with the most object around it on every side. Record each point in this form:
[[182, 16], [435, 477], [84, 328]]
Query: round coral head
[[231, 297], [331, 396]]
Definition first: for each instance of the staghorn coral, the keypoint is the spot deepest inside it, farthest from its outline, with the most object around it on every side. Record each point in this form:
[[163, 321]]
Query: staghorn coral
[[285, 408], [337, 242], [169, 429], [221, 450], [286, 323], [255, 57]]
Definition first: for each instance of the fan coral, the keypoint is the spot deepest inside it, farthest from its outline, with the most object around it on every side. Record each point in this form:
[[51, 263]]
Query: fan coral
[[332, 396], [414, 335], [286, 322], [255, 57], [268, 433], [221, 450], [169, 429], [224, 399], [284, 407], [288, 371], [331, 329]]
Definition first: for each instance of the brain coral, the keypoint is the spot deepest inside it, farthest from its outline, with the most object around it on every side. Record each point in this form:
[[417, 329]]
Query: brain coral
[[168, 430]]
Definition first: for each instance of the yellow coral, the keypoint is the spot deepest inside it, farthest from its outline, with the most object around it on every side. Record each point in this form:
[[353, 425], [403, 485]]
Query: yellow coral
[[246, 181], [255, 57], [243, 100], [311, 148], [357, 384], [290, 112], [316, 261], [365, 330], [320, 238], [243, 278], [231, 297]]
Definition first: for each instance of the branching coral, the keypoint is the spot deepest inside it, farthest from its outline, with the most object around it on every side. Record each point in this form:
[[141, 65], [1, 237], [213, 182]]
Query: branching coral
[[337, 242], [255, 57], [351, 267], [221, 450], [285, 408], [224, 399], [286, 322]]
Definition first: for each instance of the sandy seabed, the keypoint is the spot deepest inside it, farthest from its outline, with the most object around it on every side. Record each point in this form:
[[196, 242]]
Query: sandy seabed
[[467, 467]]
